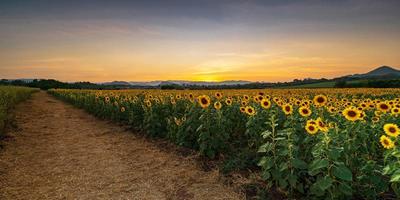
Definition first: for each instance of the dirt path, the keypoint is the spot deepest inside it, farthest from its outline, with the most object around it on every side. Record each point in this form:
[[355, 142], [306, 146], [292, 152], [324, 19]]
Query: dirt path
[[60, 152]]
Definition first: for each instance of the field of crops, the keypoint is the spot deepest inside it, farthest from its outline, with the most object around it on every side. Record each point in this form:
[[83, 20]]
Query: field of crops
[[308, 143], [9, 96]]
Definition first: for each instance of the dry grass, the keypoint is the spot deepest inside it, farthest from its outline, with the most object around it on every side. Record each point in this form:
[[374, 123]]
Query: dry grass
[[60, 152]]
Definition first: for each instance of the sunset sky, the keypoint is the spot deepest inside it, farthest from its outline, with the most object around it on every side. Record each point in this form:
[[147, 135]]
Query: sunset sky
[[213, 40]]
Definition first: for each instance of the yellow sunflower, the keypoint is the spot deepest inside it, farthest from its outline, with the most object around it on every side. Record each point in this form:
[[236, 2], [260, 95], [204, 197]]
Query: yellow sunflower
[[204, 101], [391, 129], [217, 105], [332, 109], [305, 111], [228, 102], [265, 103], [375, 119], [311, 129], [383, 106], [395, 111], [287, 109], [320, 100], [321, 125], [311, 121], [351, 114], [250, 110], [218, 95], [386, 142]]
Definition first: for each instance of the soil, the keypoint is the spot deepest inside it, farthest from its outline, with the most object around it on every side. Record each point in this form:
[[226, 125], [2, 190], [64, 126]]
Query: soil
[[57, 151]]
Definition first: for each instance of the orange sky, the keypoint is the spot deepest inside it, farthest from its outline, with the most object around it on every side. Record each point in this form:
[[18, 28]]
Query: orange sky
[[236, 42]]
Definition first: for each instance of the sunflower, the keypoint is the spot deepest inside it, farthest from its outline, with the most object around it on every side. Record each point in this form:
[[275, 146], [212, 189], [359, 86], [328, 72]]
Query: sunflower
[[250, 110], [265, 103], [332, 109], [375, 119], [391, 129], [148, 103], [311, 129], [320, 100], [228, 102], [107, 99], [287, 109], [218, 95], [383, 106], [305, 111], [378, 113], [122, 109], [395, 111], [311, 121], [243, 109], [351, 114], [386, 142], [217, 105], [321, 125], [204, 101]]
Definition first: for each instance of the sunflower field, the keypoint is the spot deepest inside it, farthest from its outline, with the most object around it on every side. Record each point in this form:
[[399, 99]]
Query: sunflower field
[[9, 96], [304, 143]]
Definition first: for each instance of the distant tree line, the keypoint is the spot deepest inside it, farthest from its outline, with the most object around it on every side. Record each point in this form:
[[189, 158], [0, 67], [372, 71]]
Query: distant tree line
[[395, 83], [46, 84]]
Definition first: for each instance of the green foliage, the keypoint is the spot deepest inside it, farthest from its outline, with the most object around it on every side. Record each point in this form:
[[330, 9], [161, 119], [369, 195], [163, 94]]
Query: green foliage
[[9, 96], [344, 159]]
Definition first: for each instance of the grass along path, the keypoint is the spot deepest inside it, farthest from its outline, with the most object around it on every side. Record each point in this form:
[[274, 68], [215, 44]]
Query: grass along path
[[61, 152]]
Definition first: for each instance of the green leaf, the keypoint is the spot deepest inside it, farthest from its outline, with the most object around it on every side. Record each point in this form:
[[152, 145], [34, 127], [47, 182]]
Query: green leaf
[[283, 183], [316, 165], [324, 183], [266, 134], [299, 164], [265, 148], [292, 180], [396, 176], [342, 172], [334, 154], [345, 189], [266, 163]]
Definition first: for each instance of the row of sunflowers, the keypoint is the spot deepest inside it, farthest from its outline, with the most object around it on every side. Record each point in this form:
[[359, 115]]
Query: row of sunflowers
[[9, 96], [305, 143]]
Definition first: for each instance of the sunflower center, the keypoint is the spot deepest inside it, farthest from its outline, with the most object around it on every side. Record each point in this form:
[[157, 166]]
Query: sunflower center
[[320, 100], [386, 142], [384, 106], [392, 130], [204, 101], [351, 113], [311, 128]]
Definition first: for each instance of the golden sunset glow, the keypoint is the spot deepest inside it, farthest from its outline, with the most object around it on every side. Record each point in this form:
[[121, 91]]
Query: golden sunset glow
[[206, 44]]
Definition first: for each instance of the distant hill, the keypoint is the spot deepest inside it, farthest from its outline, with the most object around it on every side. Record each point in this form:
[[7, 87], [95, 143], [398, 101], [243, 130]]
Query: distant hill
[[380, 72], [116, 83]]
